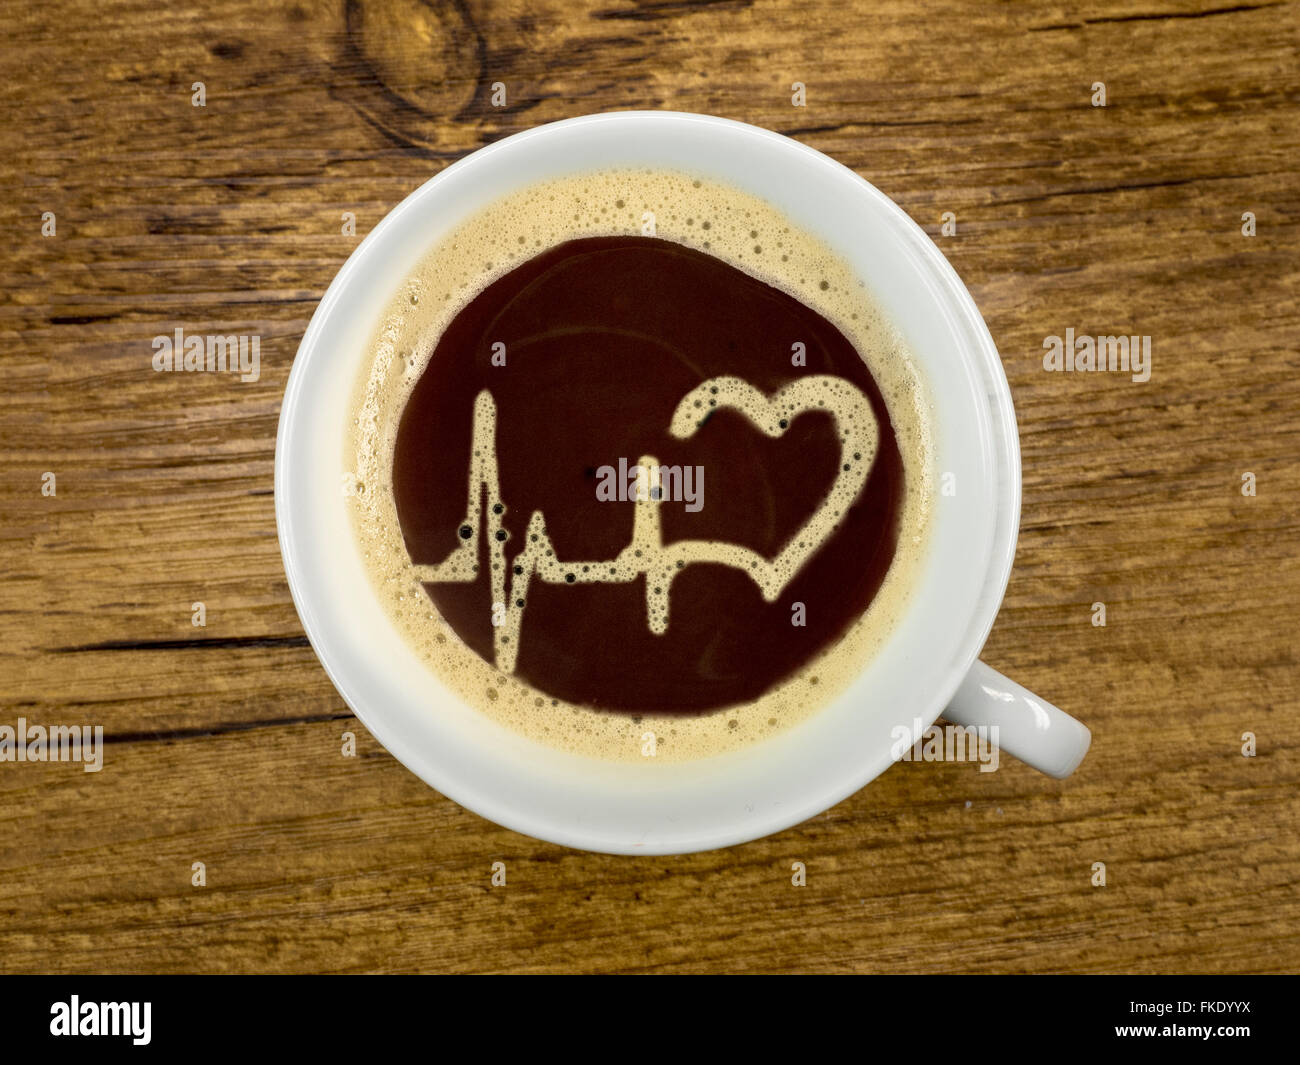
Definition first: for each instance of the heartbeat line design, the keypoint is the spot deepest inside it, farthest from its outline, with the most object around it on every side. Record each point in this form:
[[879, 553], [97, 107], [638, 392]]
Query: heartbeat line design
[[647, 554]]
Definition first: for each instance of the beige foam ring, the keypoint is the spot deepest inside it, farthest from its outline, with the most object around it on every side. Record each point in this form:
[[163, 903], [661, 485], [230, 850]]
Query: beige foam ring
[[737, 228]]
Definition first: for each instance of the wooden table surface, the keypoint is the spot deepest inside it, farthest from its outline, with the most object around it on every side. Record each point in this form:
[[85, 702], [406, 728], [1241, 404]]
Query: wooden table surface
[[223, 742]]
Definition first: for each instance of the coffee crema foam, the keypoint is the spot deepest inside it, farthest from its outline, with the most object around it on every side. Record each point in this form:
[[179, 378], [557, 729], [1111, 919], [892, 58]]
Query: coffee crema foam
[[752, 236]]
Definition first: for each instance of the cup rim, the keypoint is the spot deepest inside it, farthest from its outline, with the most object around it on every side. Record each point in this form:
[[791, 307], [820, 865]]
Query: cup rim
[[1003, 436]]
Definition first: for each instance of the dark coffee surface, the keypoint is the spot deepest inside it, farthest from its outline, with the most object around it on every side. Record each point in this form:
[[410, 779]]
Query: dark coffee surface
[[604, 336]]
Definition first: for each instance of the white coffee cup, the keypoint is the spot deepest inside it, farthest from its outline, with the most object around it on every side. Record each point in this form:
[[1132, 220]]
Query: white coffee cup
[[927, 666]]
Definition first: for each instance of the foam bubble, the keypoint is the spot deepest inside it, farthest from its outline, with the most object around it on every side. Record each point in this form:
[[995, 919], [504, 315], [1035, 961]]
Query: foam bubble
[[756, 238]]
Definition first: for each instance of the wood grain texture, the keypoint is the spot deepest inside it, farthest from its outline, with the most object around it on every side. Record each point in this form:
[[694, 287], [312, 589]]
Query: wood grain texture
[[224, 741]]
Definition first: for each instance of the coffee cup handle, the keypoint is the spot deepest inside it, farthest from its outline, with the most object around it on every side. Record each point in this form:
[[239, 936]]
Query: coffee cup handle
[[1028, 727]]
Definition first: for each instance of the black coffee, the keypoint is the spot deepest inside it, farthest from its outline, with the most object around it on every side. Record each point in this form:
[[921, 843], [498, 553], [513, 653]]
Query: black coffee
[[563, 374]]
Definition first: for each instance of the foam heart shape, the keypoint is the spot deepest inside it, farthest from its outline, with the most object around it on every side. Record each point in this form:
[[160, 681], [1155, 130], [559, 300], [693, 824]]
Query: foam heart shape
[[646, 554]]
